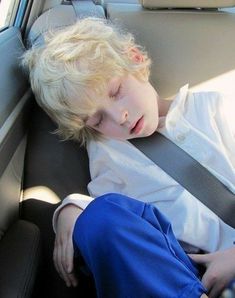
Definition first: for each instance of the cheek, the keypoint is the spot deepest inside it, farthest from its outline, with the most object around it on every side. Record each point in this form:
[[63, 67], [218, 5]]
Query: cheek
[[112, 131], [141, 96], [135, 102]]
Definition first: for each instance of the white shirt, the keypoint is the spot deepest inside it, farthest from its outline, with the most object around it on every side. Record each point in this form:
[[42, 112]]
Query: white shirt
[[204, 126]]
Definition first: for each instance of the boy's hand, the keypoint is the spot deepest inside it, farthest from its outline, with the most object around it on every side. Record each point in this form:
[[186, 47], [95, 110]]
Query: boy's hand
[[220, 270], [63, 250]]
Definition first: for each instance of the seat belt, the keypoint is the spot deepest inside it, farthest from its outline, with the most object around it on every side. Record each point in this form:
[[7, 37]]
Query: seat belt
[[190, 174], [87, 8]]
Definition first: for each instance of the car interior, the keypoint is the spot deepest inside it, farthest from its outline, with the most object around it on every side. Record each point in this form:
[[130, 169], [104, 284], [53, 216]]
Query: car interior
[[189, 41]]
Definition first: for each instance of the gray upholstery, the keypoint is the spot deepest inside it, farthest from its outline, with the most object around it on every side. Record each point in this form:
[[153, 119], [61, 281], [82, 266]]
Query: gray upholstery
[[19, 260], [9, 97], [57, 168], [19, 240], [59, 16], [14, 104], [185, 46], [155, 4]]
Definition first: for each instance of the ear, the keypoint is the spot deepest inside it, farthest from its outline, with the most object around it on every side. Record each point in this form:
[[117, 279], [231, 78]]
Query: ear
[[136, 55]]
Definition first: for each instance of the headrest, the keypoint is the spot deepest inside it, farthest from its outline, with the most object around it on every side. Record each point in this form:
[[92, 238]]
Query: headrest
[[154, 4]]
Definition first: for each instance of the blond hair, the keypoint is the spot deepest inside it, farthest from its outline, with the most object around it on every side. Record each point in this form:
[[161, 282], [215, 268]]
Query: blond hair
[[74, 60]]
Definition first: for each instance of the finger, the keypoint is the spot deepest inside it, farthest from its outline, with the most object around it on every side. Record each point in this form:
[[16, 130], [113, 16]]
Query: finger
[[69, 256], [55, 258], [63, 274], [208, 281], [199, 258], [57, 261], [73, 279], [216, 290], [69, 262]]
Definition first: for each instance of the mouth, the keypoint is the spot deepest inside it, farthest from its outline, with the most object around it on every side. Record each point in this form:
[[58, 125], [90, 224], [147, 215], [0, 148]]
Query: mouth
[[137, 126]]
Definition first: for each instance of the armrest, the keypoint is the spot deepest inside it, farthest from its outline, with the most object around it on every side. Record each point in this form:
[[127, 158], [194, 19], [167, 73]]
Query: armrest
[[19, 260]]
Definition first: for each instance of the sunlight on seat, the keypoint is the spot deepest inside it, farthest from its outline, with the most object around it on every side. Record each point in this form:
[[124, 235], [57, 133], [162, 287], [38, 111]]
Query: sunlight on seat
[[223, 83], [41, 193]]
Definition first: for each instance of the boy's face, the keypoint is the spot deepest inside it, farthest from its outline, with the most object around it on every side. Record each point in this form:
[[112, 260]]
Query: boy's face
[[128, 110]]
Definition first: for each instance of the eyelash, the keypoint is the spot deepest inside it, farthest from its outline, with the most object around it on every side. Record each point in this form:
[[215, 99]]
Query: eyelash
[[114, 96], [99, 122]]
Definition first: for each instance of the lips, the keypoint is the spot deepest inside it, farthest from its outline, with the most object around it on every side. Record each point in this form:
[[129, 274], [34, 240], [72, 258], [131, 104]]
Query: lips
[[138, 126]]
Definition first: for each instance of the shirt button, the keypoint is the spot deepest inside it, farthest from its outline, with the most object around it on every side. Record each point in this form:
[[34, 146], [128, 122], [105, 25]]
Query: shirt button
[[180, 137]]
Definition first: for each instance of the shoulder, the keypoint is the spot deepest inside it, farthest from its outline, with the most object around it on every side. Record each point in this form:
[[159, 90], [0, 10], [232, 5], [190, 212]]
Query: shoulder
[[211, 103], [188, 102], [193, 109]]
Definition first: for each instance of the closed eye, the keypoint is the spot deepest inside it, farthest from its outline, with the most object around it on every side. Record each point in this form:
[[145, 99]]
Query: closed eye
[[116, 93], [95, 120], [99, 122]]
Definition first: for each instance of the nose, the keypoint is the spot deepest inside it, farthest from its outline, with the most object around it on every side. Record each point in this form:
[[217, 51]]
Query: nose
[[120, 116], [123, 117]]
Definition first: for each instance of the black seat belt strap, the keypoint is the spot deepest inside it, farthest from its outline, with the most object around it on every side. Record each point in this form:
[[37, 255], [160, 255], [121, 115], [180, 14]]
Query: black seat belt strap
[[190, 174]]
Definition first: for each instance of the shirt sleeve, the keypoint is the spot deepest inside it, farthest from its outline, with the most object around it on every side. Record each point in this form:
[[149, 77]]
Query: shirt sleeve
[[79, 200], [107, 165]]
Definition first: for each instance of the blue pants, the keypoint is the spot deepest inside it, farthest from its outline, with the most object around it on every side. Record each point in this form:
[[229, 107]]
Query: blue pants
[[131, 251]]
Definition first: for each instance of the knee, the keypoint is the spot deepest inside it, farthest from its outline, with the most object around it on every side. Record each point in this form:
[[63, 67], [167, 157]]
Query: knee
[[97, 223], [103, 219], [100, 214], [107, 210]]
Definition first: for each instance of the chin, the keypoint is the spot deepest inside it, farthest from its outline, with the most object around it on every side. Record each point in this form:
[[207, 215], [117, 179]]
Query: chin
[[149, 134], [150, 131], [144, 134]]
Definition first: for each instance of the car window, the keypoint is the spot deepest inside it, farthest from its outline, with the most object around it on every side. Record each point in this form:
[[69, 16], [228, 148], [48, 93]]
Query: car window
[[8, 10]]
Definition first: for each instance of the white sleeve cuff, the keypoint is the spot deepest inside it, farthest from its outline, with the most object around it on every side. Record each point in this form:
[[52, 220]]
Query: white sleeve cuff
[[81, 201]]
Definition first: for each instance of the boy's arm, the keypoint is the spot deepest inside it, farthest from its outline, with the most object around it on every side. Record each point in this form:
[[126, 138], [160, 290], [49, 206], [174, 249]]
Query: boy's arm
[[79, 200], [64, 220], [63, 249]]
